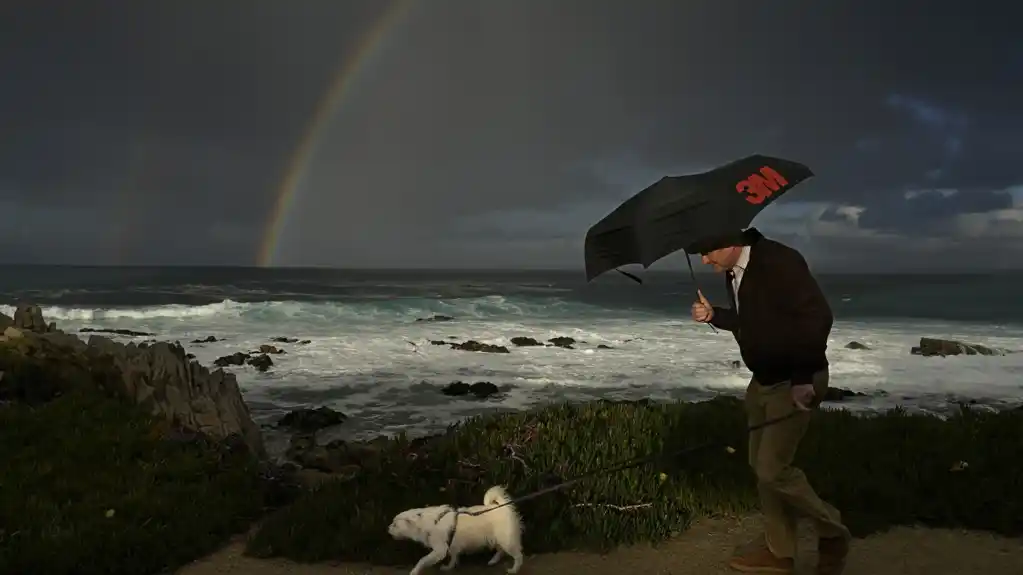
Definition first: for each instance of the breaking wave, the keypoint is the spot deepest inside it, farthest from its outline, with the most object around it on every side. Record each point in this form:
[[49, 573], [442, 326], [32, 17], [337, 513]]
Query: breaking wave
[[375, 311]]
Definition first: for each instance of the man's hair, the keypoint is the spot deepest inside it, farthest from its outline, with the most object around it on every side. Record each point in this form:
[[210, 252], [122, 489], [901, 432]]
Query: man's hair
[[707, 245]]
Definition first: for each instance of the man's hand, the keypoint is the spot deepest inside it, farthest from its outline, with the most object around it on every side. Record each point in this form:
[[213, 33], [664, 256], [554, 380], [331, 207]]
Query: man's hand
[[702, 311], [802, 395]]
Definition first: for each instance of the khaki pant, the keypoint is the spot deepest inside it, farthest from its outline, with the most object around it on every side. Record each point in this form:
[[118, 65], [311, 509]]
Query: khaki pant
[[785, 493]]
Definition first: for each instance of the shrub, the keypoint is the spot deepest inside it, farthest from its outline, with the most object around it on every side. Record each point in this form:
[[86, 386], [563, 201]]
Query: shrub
[[881, 471], [91, 485]]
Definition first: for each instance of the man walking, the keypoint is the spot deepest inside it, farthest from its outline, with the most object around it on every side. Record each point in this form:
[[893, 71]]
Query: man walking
[[781, 321]]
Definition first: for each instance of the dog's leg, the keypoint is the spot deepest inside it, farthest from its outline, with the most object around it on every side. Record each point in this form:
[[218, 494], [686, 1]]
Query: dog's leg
[[452, 562], [496, 558], [435, 556], [516, 554]]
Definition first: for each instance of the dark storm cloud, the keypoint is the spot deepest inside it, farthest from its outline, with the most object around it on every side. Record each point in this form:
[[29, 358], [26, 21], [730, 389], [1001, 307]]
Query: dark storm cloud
[[492, 133], [918, 211]]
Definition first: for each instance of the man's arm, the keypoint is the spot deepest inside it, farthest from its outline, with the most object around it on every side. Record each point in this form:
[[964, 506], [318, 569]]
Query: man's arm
[[802, 299], [725, 318]]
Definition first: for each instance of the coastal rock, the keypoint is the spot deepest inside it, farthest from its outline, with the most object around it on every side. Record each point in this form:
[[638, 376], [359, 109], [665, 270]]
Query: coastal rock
[[294, 340], [257, 359], [930, 347], [127, 332], [521, 341], [164, 379], [856, 345], [604, 346], [159, 377], [473, 345], [840, 394], [236, 358], [480, 389], [261, 362], [562, 342], [435, 318], [310, 420], [28, 317], [207, 339], [267, 348]]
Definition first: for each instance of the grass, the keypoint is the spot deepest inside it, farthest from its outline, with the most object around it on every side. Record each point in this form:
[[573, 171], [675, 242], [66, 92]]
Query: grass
[[89, 484], [880, 471]]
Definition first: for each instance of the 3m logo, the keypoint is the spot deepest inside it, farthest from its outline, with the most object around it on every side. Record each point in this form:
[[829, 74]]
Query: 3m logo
[[759, 187]]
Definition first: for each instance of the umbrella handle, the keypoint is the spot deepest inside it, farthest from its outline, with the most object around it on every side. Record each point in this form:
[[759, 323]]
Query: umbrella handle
[[692, 275]]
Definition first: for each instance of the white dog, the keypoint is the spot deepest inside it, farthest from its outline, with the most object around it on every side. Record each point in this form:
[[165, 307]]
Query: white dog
[[450, 532]]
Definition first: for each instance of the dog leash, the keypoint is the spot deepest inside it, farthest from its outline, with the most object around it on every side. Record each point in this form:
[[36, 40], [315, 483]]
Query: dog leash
[[620, 466]]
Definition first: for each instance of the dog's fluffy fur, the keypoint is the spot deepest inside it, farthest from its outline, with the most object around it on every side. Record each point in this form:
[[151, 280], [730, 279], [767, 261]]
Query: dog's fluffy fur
[[449, 532]]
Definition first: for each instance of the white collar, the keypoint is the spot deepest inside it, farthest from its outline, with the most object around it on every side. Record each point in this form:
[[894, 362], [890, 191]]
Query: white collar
[[742, 262]]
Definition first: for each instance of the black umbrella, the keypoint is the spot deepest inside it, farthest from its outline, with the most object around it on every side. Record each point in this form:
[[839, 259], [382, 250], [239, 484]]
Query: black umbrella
[[681, 212]]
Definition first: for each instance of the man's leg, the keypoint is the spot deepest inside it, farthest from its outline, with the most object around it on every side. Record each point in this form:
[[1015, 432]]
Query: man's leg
[[763, 556], [777, 475]]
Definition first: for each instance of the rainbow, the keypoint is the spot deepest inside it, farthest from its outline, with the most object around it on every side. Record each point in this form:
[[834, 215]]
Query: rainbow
[[344, 80]]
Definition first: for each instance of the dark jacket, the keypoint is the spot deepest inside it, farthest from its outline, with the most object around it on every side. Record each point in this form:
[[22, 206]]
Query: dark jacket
[[784, 319]]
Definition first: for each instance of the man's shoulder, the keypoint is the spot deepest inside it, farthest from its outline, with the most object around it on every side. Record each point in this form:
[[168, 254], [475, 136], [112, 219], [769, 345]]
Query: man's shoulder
[[775, 250]]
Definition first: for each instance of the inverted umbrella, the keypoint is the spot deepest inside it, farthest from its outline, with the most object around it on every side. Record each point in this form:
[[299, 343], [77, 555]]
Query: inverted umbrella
[[681, 212]]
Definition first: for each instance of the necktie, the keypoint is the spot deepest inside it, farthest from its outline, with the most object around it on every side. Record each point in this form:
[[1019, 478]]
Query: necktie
[[730, 277]]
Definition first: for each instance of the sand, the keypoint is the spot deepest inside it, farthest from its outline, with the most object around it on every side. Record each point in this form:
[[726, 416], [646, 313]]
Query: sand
[[703, 550]]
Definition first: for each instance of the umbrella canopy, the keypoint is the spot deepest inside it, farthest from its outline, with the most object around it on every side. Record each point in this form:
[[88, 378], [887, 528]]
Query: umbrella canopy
[[681, 212]]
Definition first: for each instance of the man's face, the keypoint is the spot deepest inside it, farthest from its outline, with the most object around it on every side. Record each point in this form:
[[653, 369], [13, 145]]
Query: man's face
[[722, 259]]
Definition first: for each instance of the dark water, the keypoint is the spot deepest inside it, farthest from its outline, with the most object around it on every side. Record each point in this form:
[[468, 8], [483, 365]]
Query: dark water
[[991, 298]]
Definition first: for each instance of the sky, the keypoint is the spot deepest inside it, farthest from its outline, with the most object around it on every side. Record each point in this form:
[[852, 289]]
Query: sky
[[487, 133]]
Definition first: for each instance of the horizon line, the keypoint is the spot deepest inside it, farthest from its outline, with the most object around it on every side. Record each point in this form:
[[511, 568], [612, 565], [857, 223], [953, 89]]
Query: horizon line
[[971, 271]]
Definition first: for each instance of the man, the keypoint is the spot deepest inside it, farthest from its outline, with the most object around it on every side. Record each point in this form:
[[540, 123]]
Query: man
[[781, 321]]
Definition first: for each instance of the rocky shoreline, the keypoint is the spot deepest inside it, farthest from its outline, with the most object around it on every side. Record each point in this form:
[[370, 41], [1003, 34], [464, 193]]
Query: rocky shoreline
[[166, 380]]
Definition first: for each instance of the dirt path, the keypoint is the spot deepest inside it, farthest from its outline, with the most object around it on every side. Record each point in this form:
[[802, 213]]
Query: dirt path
[[703, 550]]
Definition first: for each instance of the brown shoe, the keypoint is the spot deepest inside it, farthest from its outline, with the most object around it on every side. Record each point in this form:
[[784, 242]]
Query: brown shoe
[[832, 552], [761, 561]]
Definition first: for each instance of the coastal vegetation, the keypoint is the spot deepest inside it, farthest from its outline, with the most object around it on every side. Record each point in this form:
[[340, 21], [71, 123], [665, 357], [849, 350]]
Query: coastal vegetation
[[882, 471]]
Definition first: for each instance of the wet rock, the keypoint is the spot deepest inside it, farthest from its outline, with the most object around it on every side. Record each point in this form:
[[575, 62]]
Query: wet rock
[[207, 339], [841, 394], [126, 332], [856, 345], [261, 362], [294, 340], [266, 348], [736, 364], [930, 347], [603, 346], [480, 389], [236, 358], [562, 342], [521, 341], [473, 345], [309, 420], [435, 318]]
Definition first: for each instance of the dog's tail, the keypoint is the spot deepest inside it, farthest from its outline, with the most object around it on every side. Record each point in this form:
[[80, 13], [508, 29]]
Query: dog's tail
[[496, 495]]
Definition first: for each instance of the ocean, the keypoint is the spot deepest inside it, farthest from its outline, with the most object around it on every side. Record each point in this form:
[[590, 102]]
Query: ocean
[[369, 358]]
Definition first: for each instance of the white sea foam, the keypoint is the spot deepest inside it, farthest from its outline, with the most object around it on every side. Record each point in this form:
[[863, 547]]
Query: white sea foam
[[369, 359]]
